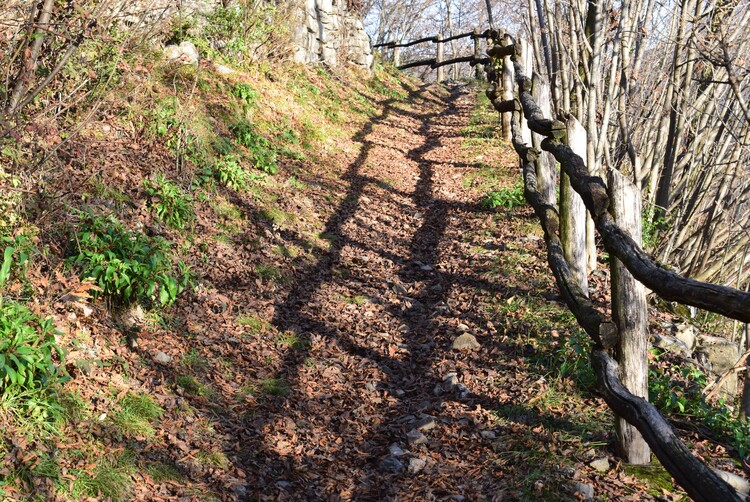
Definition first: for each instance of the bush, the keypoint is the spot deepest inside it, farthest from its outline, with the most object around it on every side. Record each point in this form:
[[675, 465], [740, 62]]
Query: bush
[[263, 153], [27, 348], [506, 197], [128, 266], [174, 206]]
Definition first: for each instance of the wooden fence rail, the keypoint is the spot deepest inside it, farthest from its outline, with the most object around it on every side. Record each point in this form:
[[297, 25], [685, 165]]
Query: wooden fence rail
[[438, 61], [698, 480]]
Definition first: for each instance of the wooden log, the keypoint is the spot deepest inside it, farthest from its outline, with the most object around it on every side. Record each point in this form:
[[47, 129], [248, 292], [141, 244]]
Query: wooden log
[[671, 286], [596, 325], [573, 211], [406, 44], [546, 165], [700, 482], [439, 59], [506, 106], [499, 51], [478, 71], [524, 54], [508, 77], [630, 313], [396, 56], [414, 64]]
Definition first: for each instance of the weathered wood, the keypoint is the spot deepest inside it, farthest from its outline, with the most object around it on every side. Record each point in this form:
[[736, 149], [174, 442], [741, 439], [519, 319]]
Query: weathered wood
[[500, 51], [596, 325], [546, 168], [630, 313], [439, 59], [414, 64], [478, 72], [508, 78], [573, 211], [671, 286], [406, 44], [506, 106], [396, 56], [433, 63], [700, 482]]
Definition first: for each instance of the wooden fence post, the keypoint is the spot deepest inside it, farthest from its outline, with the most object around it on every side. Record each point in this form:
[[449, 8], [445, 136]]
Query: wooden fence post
[[629, 311], [439, 58], [508, 83], [528, 67], [478, 72], [546, 166], [396, 56], [573, 212]]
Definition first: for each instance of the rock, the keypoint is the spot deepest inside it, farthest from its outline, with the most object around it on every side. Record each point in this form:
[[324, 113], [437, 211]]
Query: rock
[[450, 381], [687, 334], [719, 355], [584, 490], [371, 386], [414, 437], [462, 391], [396, 451], [284, 485], [670, 344], [185, 53], [416, 465], [425, 424], [740, 484], [600, 464], [488, 434], [457, 498], [400, 289], [462, 328], [162, 358], [465, 342], [391, 465]]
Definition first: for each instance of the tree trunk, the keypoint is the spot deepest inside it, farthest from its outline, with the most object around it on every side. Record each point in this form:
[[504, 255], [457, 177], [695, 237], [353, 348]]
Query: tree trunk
[[440, 58]]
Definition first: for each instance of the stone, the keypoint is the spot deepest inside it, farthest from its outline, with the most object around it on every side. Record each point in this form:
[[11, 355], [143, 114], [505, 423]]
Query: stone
[[488, 434], [719, 356], [462, 328], [391, 465], [371, 386], [687, 334], [600, 464], [425, 424], [450, 380], [465, 342], [462, 391], [457, 498], [284, 485], [740, 484], [162, 358], [416, 465], [396, 451], [414, 437], [670, 344], [584, 490]]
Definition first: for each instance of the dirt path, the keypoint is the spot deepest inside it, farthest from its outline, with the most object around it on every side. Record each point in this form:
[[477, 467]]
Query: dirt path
[[350, 387]]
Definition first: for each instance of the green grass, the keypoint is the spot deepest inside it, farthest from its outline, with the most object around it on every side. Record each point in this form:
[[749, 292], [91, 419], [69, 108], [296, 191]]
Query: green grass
[[162, 471], [254, 324], [111, 478], [274, 387], [136, 414], [193, 386], [292, 340]]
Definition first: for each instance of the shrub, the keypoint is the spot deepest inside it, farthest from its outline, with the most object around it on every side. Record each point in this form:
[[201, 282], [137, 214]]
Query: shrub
[[174, 206], [505, 197], [263, 153], [27, 348], [128, 266]]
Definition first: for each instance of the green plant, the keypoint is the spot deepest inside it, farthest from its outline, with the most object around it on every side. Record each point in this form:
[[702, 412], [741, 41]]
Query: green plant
[[244, 92], [573, 359], [274, 386], [18, 250], [135, 415], [505, 197], [164, 118], [27, 348], [110, 478], [231, 174], [253, 323], [173, 206], [263, 154], [127, 266]]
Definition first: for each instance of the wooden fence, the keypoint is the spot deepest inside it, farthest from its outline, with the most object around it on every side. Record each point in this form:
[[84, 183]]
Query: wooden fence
[[698, 480], [439, 61]]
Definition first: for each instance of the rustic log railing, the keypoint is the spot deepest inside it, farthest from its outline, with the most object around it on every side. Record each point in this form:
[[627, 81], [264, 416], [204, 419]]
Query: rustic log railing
[[438, 61], [693, 475]]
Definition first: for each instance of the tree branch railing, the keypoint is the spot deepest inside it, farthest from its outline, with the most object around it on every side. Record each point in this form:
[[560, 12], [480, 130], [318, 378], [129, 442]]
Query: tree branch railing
[[698, 480], [438, 61]]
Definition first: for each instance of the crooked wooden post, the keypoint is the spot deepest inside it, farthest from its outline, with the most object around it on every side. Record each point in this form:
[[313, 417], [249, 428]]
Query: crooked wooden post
[[546, 166], [396, 56]]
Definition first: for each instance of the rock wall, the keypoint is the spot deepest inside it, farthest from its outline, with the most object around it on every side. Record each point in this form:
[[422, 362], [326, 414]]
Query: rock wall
[[327, 32]]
